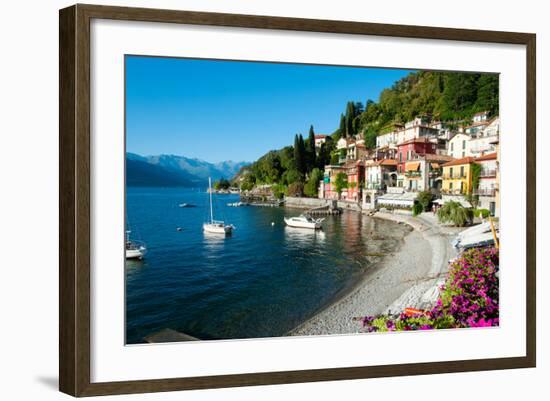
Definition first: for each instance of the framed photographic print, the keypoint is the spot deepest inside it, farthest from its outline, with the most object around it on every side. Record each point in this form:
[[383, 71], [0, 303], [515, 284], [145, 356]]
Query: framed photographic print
[[251, 200]]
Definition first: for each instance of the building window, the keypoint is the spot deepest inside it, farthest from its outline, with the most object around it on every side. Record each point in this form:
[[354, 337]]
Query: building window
[[451, 186], [461, 171], [463, 154], [451, 172], [452, 146], [463, 144]]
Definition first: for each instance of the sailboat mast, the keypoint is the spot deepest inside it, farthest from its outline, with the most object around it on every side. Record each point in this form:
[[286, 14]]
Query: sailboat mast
[[210, 190]]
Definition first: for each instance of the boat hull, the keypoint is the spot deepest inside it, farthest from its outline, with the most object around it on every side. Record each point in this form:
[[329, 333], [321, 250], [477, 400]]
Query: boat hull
[[135, 253], [217, 229], [303, 224]]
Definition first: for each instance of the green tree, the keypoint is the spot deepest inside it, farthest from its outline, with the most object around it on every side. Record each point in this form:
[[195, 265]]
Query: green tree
[[472, 196], [453, 212], [424, 199], [299, 154], [340, 183], [310, 150], [312, 186]]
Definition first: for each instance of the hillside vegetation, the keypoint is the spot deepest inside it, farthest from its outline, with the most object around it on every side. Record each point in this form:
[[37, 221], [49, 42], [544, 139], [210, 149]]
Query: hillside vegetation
[[448, 97]]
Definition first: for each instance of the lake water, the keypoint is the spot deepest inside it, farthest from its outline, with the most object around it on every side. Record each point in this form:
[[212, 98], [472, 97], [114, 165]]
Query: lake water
[[262, 281]]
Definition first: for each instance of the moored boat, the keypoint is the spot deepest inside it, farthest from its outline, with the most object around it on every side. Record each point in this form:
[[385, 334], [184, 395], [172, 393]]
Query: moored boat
[[134, 249], [216, 226], [304, 221]]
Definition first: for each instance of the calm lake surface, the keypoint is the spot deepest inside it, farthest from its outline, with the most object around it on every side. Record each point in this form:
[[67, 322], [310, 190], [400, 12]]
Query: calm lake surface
[[262, 281]]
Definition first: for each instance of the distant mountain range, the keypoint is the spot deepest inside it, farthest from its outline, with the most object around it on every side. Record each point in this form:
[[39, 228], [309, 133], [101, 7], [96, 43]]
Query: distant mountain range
[[172, 170]]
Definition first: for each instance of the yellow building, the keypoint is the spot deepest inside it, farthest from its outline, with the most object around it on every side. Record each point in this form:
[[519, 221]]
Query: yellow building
[[457, 177]]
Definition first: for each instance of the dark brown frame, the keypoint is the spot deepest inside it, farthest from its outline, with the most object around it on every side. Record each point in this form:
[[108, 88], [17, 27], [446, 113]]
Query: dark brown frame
[[74, 199]]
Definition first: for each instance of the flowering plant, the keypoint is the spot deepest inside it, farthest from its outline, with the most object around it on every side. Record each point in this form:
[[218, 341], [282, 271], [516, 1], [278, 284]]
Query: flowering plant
[[469, 298]]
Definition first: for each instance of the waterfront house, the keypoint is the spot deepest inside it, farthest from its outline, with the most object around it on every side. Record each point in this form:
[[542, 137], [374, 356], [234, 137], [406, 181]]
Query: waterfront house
[[423, 172], [327, 189], [486, 189], [389, 138], [417, 128], [380, 174], [408, 152], [457, 179], [355, 172]]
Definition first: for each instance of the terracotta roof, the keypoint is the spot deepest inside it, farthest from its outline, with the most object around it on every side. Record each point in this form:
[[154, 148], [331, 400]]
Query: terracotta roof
[[320, 136], [416, 140], [489, 156], [481, 113], [387, 162], [433, 157], [464, 160]]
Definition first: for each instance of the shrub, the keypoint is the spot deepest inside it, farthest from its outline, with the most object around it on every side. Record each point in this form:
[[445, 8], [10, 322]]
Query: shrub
[[484, 213], [453, 212], [469, 298], [417, 209], [296, 189], [424, 198]]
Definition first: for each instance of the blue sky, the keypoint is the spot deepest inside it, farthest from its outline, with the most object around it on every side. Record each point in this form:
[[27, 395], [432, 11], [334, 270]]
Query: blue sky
[[230, 110]]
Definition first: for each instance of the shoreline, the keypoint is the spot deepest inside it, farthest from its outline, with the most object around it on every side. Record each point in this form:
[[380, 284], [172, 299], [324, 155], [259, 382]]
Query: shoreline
[[408, 277]]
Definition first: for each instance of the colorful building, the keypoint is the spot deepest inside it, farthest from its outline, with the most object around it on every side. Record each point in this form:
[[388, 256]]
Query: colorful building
[[488, 183], [457, 177]]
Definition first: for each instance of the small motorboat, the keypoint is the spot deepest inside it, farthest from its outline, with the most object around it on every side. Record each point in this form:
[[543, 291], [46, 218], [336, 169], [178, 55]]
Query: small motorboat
[[186, 205], [134, 249], [304, 221]]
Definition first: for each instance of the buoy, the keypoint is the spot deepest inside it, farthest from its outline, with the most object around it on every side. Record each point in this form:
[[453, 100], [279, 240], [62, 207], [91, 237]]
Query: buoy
[[272, 223], [179, 228]]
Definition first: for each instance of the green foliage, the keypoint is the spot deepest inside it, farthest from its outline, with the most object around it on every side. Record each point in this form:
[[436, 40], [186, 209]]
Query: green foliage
[[417, 209], [279, 190], [455, 213], [310, 150], [424, 198], [448, 96], [296, 189], [300, 161], [312, 186], [340, 183], [334, 158], [222, 183], [484, 213], [472, 197]]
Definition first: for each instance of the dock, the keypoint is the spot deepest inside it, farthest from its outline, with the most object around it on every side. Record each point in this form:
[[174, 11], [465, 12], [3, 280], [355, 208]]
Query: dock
[[328, 210]]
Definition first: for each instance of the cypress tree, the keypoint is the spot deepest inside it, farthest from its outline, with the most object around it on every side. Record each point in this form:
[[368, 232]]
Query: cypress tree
[[299, 154], [342, 128], [311, 149]]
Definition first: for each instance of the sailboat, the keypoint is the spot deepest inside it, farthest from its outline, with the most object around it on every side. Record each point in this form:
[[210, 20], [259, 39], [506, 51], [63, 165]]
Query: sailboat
[[215, 226], [134, 249]]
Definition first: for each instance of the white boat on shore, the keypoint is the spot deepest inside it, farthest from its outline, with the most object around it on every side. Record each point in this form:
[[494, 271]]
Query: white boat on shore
[[304, 221], [215, 226], [134, 249]]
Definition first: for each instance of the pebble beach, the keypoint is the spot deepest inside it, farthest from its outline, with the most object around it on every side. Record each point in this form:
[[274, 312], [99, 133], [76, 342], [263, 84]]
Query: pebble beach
[[408, 277]]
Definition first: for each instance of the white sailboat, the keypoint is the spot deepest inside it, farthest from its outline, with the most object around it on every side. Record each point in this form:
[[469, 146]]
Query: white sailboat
[[215, 226], [134, 249]]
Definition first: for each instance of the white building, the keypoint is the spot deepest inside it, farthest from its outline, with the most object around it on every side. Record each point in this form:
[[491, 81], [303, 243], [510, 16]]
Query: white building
[[459, 146], [319, 140], [484, 140]]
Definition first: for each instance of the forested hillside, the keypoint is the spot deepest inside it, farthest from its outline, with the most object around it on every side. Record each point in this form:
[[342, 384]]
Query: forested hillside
[[449, 97]]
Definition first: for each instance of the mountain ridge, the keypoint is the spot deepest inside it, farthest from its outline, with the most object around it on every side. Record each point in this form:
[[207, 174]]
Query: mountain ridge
[[176, 170]]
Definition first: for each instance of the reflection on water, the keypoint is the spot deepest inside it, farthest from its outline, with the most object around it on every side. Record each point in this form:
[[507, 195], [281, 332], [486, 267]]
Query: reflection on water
[[262, 281], [297, 237]]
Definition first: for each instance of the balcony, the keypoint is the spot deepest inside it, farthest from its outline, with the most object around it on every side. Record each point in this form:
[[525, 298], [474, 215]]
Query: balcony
[[485, 192], [454, 177], [488, 173], [452, 192], [412, 174]]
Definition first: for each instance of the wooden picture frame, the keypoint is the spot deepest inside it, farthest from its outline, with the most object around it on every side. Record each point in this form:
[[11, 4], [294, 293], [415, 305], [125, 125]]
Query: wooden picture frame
[[74, 199]]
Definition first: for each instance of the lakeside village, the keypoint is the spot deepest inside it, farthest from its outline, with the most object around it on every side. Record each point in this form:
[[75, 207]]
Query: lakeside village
[[446, 171]]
